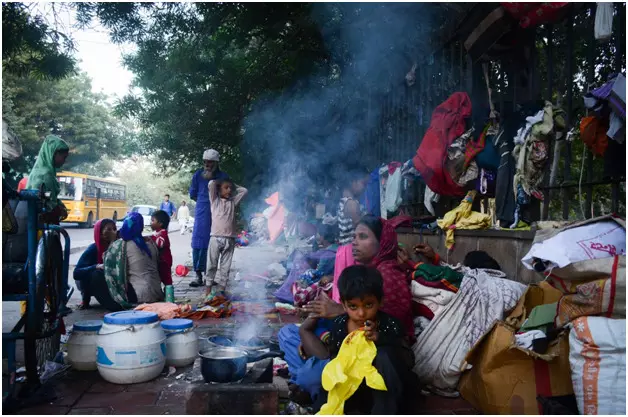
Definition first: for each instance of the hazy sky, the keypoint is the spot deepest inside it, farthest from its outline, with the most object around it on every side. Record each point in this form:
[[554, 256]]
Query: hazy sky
[[97, 56]]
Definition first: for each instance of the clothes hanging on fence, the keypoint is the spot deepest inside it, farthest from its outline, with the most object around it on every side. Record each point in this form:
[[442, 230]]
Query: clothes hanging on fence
[[462, 217], [603, 27], [535, 14], [533, 154], [593, 134], [393, 192], [448, 123], [430, 197], [459, 166], [505, 201], [372, 198]]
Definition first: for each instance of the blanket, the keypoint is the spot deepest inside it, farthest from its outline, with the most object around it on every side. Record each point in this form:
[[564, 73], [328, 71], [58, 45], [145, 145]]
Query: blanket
[[484, 296]]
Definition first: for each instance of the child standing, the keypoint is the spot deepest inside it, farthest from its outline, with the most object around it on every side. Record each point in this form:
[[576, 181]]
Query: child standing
[[224, 196], [361, 292], [160, 220]]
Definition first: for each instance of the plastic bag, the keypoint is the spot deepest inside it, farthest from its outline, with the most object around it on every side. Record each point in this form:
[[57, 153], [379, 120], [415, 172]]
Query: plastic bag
[[343, 375], [603, 21]]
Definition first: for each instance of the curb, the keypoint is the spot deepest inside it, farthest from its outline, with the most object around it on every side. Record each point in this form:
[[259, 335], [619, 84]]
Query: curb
[[76, 249]]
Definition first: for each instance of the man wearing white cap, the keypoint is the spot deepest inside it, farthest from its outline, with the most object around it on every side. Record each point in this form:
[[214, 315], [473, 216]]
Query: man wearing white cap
[[199, 192]]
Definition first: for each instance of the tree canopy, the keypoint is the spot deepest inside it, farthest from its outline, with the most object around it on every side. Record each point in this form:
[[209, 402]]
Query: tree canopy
[[30, 47], [265, 84], [68, 108]]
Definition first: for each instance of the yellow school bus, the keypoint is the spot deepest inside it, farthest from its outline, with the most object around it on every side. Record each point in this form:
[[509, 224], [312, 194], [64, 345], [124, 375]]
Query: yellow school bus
[[89, 199]]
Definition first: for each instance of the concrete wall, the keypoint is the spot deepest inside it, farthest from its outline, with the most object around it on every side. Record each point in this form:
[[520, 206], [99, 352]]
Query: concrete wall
[[506, 247]]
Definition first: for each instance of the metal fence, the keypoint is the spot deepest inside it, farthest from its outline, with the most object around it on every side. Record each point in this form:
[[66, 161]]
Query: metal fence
[[406, 111]]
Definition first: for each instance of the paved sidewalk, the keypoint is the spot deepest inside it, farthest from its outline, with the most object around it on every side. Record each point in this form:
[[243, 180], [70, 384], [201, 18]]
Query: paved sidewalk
[[87, 393]]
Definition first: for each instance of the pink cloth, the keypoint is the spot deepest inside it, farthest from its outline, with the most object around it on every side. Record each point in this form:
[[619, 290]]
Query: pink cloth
[[344, 259]]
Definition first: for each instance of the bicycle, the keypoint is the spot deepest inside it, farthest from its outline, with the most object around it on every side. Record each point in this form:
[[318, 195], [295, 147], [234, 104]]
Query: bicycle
[[42, 283]]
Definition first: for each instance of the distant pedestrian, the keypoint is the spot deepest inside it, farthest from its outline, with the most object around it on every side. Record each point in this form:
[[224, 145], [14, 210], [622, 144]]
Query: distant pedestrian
[[168, 206], [183, 215]]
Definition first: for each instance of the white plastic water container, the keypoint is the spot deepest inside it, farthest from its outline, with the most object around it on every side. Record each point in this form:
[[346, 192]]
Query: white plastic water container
[[181, 342], [131, 347], [81, 345]]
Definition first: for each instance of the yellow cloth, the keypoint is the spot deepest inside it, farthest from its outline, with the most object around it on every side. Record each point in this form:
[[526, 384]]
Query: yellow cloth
[[463, 218], [343, 375]]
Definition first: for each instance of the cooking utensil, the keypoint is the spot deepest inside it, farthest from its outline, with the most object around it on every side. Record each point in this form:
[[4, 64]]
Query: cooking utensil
[[228, 364]]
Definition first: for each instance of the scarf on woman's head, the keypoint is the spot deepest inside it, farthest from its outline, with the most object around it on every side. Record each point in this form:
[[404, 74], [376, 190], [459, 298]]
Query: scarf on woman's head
[[44, 170], [397, 294], [100, 248], [132, 228]]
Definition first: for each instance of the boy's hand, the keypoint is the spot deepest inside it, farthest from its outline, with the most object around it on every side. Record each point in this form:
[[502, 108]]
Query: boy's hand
[[370, 331]]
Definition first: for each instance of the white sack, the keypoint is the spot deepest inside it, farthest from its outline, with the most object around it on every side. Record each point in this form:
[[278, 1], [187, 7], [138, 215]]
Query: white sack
[[597, 356], [597, 240], [484, 296]]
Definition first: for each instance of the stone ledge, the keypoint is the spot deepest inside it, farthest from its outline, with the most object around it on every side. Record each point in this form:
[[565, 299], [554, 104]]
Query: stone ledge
[[217, 399]]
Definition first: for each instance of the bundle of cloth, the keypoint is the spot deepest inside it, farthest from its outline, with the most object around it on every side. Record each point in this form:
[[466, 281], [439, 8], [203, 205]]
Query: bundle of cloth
[[433, 287], [465, 303]]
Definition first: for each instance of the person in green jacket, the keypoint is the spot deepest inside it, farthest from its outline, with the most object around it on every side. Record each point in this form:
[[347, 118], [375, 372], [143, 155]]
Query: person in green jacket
[[52, 155]]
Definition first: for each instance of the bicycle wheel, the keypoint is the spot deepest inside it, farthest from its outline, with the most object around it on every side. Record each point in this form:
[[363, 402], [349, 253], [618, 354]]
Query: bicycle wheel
[[49, 268]]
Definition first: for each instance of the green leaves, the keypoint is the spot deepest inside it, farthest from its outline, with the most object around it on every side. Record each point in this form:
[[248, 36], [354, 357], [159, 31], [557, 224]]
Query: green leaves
[[35, 108], [31, 48]]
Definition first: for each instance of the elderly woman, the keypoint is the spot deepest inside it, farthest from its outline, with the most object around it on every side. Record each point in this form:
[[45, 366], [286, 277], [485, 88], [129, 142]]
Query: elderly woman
[[132, 266], [89, 273]]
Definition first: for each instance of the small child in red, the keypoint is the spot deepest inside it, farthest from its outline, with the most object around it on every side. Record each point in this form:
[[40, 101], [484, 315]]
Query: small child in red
[[159, 223]]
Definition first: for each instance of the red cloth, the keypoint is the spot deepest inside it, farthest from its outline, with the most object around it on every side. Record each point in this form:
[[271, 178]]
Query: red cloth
[[534, 14], [162, 241], [448, 123], [397, 296], [22, 184], [392, 167], [421, 310]]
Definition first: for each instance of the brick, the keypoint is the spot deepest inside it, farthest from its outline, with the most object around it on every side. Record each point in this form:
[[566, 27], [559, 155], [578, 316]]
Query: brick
[[68, 392], [45, 410], [92, 411], [104, 387], [155, 385], [152, 410], [118, 400], [168, 397], [218, 399]]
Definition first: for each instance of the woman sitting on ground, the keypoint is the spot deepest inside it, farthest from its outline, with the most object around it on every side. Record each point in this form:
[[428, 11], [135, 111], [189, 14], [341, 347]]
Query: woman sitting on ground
[[319, 278], [375, 244], [89, 273], [132, 266]]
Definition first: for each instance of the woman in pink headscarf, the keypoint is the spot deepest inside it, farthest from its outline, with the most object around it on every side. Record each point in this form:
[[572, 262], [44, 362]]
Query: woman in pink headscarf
[[89, 272]]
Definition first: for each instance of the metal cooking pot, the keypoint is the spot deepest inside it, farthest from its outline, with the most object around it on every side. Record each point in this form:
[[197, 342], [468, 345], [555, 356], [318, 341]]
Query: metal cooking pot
[[228, 364]]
